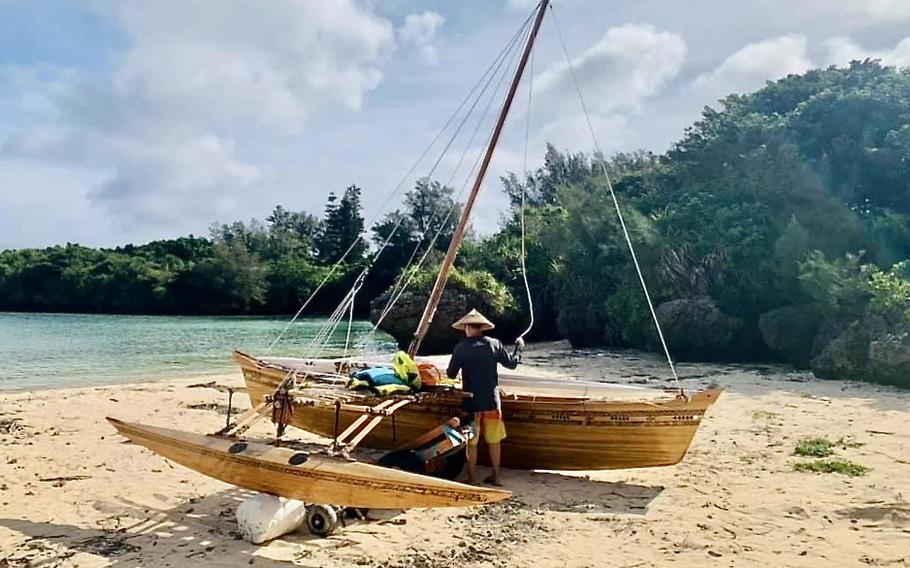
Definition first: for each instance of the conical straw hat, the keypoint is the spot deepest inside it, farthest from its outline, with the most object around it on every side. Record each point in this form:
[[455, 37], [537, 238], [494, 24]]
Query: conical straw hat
[[474, 318]]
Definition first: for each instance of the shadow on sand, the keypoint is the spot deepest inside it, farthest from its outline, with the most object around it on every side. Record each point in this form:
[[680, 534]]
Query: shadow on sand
[[578, 494], [204, 531]]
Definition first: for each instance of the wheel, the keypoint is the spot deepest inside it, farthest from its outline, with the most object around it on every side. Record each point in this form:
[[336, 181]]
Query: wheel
[[321, 520]]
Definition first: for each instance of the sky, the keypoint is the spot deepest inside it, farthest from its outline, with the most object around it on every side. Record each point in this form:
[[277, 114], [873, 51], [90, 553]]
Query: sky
[[126, 121]]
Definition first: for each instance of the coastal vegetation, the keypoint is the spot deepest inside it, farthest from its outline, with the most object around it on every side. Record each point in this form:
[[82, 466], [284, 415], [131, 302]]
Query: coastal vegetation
[[777, 228]]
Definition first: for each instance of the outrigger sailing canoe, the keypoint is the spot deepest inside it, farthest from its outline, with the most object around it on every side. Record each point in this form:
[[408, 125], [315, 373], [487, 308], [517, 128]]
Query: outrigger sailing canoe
[[309, 477], [553, 424]]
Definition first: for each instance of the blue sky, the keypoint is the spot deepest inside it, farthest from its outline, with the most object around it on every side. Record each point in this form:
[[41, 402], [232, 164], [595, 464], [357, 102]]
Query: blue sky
[[126, 121]]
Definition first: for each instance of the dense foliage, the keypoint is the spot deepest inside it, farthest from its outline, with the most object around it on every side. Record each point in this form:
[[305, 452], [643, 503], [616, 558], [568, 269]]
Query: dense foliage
[[795, 195], [784, 209]]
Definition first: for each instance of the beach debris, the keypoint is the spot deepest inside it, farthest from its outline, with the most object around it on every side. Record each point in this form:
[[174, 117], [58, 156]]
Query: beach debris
[[106, 545], [61, 481], [487, 539], [218, 407], [12, 427], [217, 387]]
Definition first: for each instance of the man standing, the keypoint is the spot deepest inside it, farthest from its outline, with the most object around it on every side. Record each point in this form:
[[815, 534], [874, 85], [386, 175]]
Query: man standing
[[476, 357]]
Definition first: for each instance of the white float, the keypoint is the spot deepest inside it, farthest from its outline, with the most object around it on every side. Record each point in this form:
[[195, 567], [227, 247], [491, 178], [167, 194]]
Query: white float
[[265, 517]]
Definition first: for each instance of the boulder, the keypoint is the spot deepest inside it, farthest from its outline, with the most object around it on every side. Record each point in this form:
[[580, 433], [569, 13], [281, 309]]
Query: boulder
[[695, 328], [582, 326], [460, 297], [790, 332], [846, 356], [889, 359]]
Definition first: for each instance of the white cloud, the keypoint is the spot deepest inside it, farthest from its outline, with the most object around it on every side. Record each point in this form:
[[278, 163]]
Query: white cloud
[[420, 30], [890, 11], [63, 211], [629, 63], [616, 75], [195, 79], [841, 50], [751, 66]]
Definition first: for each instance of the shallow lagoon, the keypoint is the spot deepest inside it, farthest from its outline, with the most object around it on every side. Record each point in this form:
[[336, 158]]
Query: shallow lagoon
[[68, 350]]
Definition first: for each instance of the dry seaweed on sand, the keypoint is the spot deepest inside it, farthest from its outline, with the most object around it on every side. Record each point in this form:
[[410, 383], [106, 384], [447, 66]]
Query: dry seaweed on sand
[[822, 447], [489, 533], [13, 427], [843, 467]]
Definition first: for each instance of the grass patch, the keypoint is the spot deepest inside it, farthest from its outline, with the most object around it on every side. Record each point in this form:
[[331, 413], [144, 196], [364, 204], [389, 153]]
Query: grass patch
[[814, 447], [822, 447], [842, 467]]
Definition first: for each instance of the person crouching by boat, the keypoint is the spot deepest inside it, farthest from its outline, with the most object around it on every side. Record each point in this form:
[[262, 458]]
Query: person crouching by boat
[[476, 357]]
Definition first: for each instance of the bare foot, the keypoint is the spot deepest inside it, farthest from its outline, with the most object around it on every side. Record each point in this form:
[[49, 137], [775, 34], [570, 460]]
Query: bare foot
[[490, 480]]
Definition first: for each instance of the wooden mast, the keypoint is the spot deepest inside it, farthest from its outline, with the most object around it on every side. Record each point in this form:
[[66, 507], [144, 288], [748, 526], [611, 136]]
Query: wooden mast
[[430, 310]]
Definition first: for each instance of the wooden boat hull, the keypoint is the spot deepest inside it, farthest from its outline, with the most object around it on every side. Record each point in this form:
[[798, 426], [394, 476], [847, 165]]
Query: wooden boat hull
[[544, 432], [312, 478]]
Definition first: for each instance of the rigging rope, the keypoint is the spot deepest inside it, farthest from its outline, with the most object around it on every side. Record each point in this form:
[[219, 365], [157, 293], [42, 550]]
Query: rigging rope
[[524, 191], [489, 71], [410, 270], [609, 183]]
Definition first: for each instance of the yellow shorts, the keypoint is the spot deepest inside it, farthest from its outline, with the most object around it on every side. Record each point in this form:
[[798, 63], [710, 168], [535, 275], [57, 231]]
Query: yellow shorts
[[488, 423]]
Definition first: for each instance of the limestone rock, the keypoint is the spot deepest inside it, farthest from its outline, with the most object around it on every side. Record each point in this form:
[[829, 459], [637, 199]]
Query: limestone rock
[[846, 356], [790, 331], [889, 359], [695, 328], [457, 300]]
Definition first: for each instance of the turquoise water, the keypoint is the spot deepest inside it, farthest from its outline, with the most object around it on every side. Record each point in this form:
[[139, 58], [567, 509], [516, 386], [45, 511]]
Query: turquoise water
[[68, 350]]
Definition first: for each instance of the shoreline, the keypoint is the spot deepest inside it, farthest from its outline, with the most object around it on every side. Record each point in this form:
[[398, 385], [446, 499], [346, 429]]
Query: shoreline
[[152, 378], [72, 493]]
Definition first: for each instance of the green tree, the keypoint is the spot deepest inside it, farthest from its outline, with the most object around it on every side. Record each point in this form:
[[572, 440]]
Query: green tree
[[342, 228]]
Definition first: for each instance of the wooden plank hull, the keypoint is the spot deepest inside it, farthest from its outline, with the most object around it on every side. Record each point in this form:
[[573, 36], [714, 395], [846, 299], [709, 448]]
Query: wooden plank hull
[[315, 479], [543, 432]]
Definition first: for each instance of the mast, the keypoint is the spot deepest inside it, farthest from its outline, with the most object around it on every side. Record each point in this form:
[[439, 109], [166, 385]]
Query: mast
[[430, 310]]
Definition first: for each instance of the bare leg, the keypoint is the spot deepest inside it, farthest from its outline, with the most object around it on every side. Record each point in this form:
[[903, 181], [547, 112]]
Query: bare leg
[[472, 463], [494, 462]]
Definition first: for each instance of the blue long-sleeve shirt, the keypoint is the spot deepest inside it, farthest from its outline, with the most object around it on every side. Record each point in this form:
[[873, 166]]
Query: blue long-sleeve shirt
[[476, 358]]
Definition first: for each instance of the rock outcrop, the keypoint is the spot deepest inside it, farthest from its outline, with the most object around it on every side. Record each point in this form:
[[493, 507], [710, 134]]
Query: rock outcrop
[[889, 359], [790, 332], [458, 299], [695, 328], [870, 349]]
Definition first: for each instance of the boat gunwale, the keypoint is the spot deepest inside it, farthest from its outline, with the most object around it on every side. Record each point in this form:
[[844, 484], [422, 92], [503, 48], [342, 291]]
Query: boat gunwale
[[669, 399]]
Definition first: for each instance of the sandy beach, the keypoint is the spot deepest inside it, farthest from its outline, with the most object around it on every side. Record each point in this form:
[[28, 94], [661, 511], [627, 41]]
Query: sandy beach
[[72, 494]]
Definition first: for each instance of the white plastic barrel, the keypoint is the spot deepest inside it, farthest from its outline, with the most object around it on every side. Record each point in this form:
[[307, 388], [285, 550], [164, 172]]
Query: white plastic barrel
[[265, 517]]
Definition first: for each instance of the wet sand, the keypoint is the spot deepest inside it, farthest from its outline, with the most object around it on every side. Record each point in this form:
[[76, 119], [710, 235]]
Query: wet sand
[[72, 494]]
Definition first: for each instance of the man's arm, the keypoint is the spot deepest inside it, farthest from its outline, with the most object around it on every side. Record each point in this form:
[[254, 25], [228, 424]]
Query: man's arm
[[454, 364], [506, 359]]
